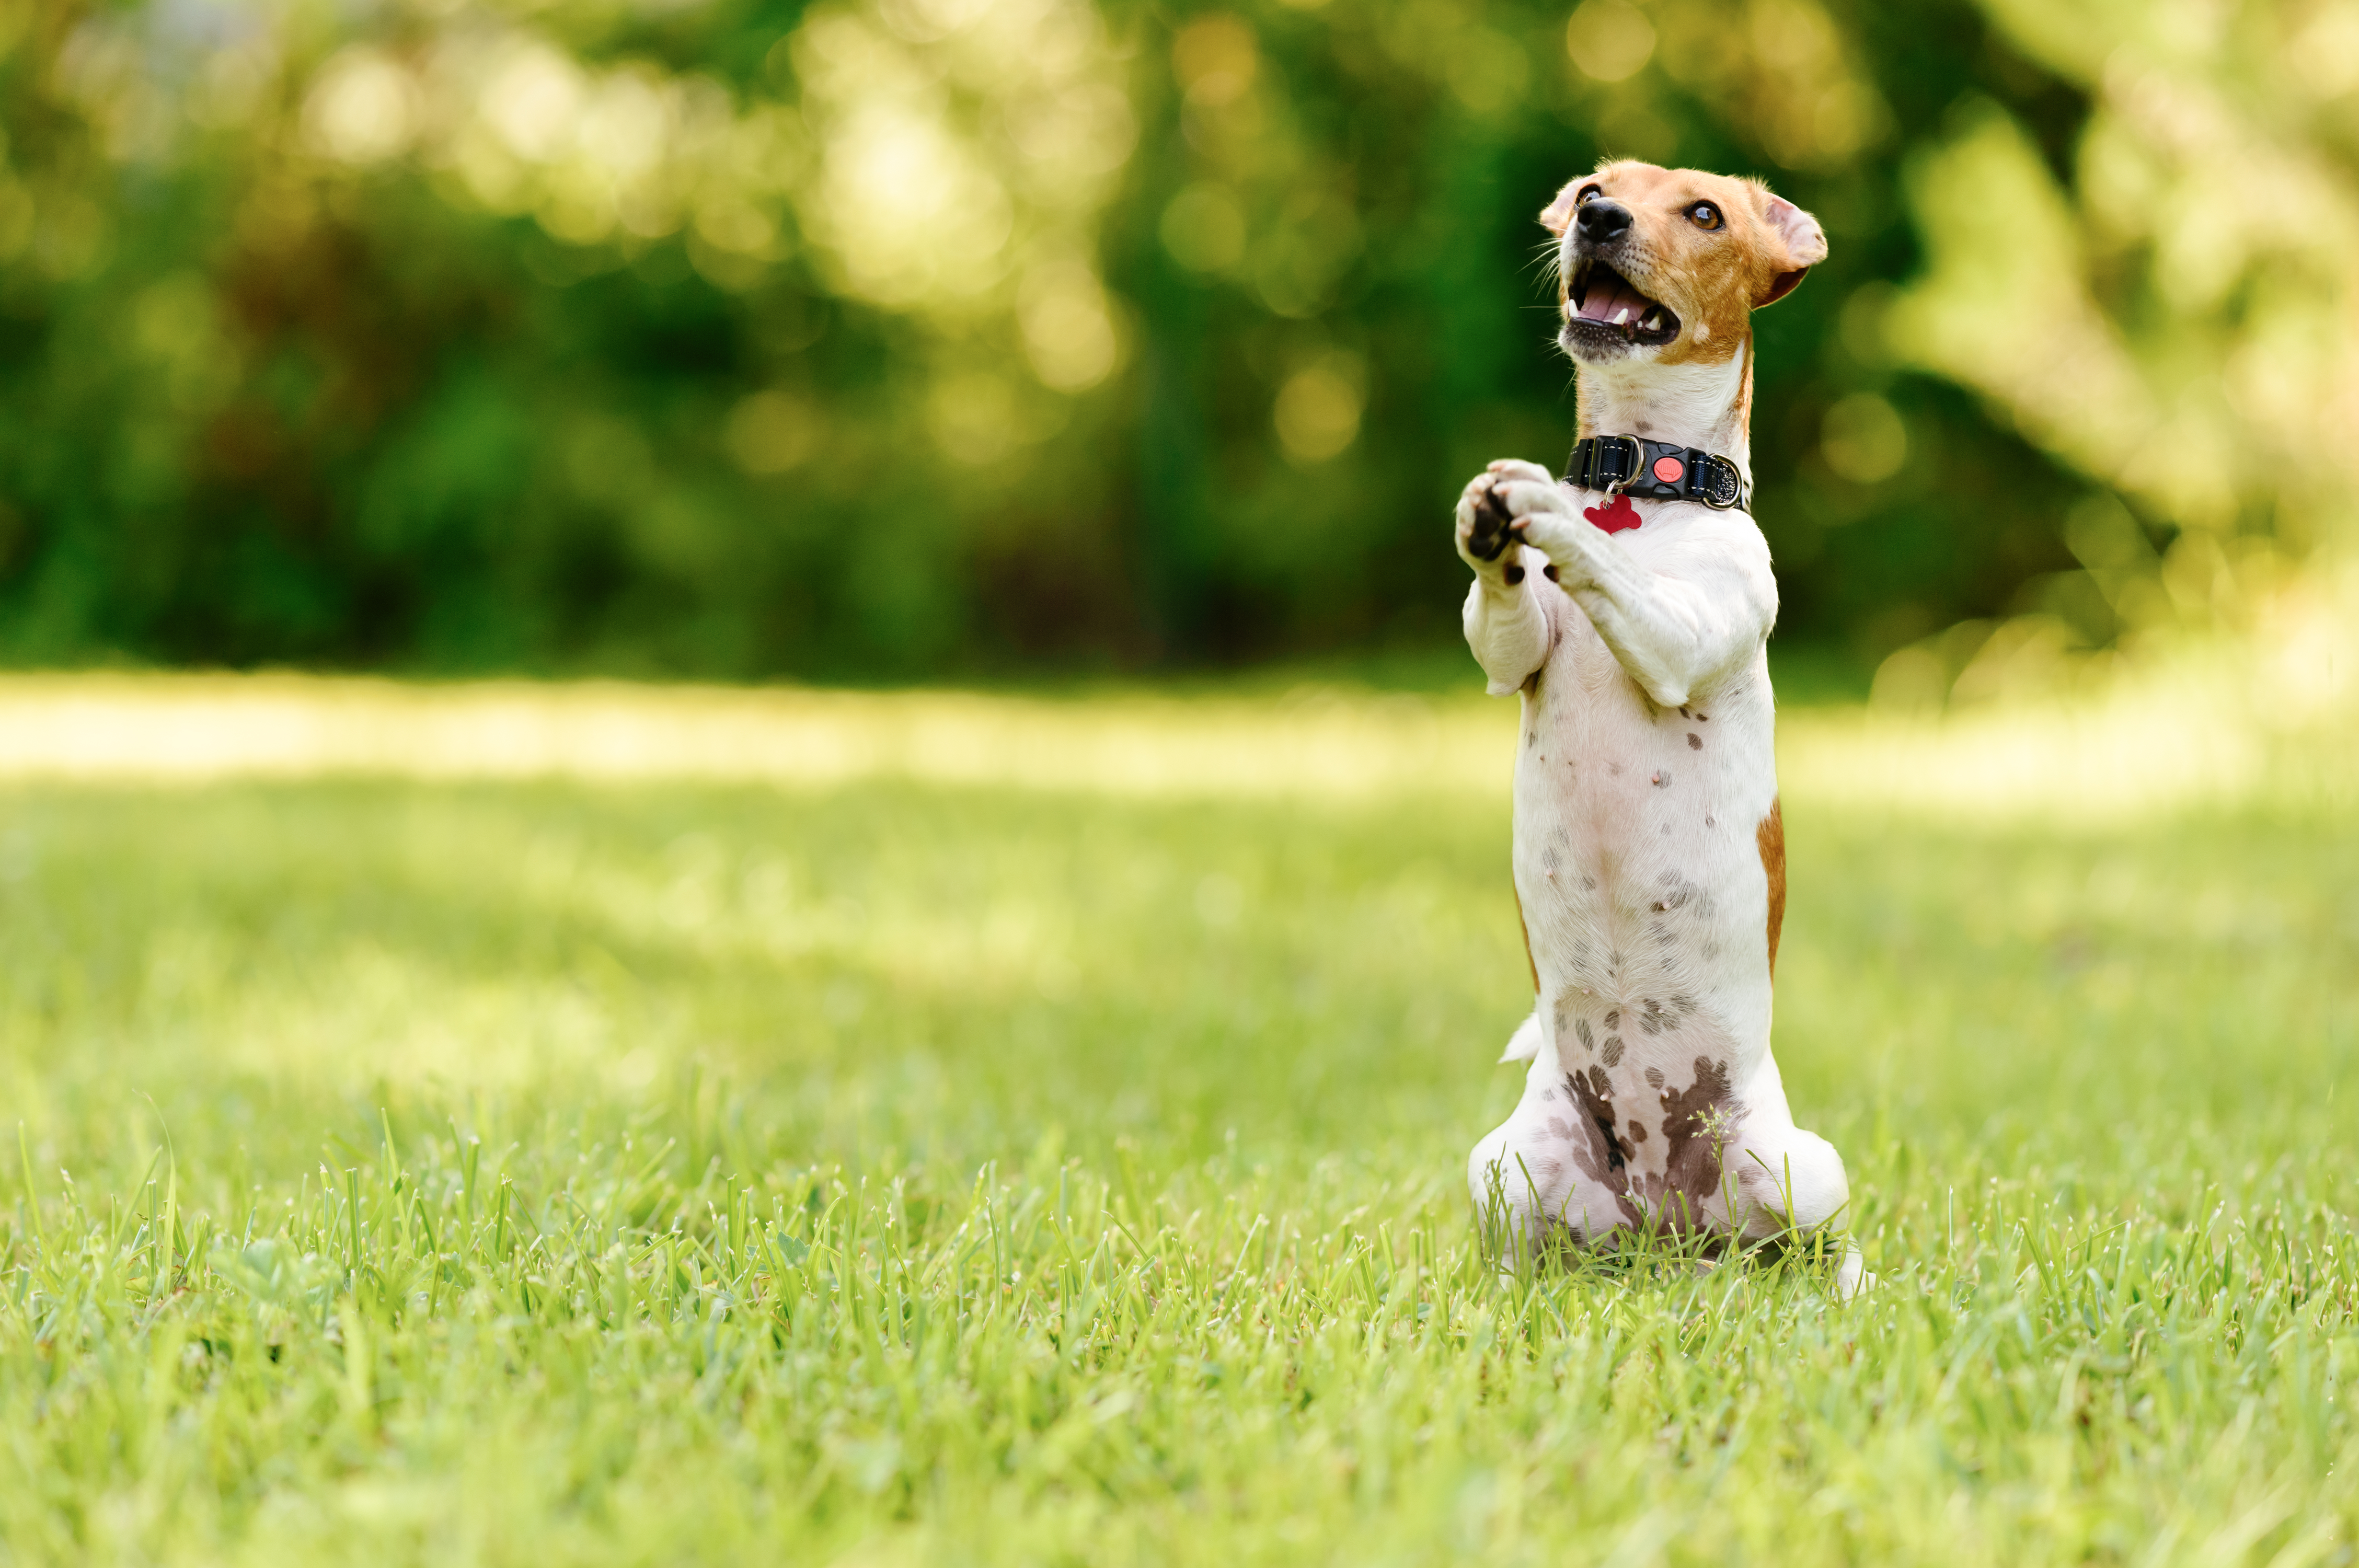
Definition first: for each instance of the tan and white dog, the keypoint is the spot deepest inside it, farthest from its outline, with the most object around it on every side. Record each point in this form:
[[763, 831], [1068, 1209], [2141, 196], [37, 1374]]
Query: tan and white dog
[[1631, 607]]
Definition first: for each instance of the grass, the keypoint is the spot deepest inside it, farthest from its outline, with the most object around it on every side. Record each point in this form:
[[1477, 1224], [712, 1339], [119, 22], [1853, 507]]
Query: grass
[[883, 1169]]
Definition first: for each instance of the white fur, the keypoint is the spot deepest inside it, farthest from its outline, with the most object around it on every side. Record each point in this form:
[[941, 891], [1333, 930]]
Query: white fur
[[1637, 859], [1525, 1043], [1694, 405]]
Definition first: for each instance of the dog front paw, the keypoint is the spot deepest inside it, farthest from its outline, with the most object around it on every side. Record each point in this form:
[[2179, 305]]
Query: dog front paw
[[1489, 532], [1543, 526], [1486, 523], [1543, 513], [1516, 471]]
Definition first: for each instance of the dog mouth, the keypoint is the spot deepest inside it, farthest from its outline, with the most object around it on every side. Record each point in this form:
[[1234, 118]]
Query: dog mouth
[[1600, 301]]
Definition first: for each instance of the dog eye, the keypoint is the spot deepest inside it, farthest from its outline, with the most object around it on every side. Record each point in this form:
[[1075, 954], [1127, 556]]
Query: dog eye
[[1588, 193], [1704, 215]]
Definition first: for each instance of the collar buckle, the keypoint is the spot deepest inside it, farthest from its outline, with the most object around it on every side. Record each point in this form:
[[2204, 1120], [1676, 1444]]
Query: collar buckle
[[1632, 471], [1720, 485]]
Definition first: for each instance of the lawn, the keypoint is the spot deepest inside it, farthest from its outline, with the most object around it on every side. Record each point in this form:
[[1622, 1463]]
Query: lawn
[[887, 1163]]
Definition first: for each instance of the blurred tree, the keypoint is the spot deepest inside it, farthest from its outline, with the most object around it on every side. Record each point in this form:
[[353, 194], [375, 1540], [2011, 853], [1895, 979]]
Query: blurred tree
[[2167, 303], [878, 339]]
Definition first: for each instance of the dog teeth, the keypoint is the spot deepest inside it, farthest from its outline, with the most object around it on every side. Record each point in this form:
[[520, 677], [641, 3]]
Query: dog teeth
[[1621, 314]]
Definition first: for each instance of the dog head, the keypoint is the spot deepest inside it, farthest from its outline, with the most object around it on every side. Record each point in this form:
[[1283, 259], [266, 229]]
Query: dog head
[[1666, 265]]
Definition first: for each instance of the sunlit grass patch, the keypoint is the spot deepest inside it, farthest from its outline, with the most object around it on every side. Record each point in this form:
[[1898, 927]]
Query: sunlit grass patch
[[883, 1168], [2178, 736]]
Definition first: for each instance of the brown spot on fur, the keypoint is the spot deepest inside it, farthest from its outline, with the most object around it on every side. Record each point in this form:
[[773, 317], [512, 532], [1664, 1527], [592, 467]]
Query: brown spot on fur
[[1771, 837], [1598, 1152], [1740, 410], [1654, 1017], [1612, 1051], [1529, 962], [1695, 741], [1695, 1122], [1567, 1022]]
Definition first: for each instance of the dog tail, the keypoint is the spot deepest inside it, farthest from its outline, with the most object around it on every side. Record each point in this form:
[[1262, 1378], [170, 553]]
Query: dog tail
[[1525, 1043]]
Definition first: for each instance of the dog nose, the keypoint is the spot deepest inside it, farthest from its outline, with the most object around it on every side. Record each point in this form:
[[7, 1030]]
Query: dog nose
[[1602, 219]]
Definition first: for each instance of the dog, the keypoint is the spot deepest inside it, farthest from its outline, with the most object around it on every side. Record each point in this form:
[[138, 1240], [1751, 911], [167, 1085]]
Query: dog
[[1630, 605]]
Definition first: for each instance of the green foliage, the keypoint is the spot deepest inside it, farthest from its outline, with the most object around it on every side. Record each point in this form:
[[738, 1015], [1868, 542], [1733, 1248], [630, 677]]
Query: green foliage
[[743, 339], [548, 1174]]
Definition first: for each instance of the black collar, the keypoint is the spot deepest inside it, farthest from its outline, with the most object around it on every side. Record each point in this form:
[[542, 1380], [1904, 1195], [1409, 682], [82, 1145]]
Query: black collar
[[1657, 471]]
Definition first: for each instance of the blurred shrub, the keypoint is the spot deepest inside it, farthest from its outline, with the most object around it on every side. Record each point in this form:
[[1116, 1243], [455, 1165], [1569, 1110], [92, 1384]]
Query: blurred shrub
[[2170, 307], [887, 339]]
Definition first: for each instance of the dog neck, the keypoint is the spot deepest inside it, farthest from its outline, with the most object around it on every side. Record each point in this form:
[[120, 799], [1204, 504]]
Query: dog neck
[[1707, 406]]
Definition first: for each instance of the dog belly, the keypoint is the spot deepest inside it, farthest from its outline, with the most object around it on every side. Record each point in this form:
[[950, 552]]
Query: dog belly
[[1641, 869]]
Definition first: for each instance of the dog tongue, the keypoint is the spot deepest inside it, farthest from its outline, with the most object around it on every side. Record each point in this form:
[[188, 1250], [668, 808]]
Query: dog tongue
[[1613, 300]]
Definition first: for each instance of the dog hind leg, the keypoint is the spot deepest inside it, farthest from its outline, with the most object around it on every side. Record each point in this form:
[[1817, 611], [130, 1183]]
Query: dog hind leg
[[1525, 1043], [1790, 1182]]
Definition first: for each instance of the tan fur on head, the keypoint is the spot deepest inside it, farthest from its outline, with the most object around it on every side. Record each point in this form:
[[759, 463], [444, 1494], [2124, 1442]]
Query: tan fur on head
[[1712, 278]]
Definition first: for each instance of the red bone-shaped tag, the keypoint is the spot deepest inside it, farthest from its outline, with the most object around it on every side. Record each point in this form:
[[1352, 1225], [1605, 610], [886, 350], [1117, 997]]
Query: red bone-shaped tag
[[1615, 515]]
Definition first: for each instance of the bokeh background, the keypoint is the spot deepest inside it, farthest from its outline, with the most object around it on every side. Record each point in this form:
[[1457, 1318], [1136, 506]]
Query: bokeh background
[[883, 340]]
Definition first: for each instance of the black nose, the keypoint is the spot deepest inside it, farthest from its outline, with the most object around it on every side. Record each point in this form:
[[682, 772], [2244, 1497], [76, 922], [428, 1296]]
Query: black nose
[[1602, 220]]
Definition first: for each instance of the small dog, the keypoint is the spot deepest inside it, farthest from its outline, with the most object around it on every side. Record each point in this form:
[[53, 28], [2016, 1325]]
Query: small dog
[[1631, 606]]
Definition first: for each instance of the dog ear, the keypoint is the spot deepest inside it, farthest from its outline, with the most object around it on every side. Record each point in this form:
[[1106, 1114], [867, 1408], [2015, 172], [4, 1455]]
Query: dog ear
[[1557, 217], [1797, 234]]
